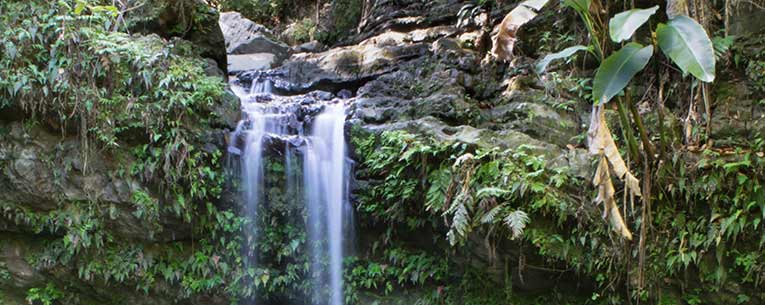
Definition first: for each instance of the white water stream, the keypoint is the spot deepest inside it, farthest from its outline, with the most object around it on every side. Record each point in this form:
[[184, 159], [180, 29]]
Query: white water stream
[[325, 175]]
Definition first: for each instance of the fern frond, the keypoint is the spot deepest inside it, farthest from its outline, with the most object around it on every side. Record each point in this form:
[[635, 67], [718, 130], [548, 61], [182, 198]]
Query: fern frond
[[491, 192], [459, 227], [517, 221], [489, 217], [435, 198]]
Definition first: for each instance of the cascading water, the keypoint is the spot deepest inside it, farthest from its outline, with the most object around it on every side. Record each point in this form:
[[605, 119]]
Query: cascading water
[[325, 176], [268, 120]]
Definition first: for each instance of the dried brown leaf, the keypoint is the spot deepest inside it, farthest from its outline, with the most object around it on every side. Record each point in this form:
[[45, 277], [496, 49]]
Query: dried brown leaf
[[606, 192], [504, 41], [602, 144]]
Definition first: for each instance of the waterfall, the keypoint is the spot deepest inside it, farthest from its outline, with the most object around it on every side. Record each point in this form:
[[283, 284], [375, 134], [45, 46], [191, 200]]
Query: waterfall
[[269, 119], [325, 177]]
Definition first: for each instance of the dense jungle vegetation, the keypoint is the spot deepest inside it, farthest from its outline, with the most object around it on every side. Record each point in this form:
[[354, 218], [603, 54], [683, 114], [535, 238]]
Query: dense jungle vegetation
[[646, 187]]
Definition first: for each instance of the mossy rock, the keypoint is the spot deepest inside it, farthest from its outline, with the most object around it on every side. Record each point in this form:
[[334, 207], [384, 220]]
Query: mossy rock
[[192, 20]]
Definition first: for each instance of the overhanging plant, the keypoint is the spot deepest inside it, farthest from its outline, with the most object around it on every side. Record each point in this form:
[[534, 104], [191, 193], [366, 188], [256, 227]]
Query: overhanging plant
[[681, 39]]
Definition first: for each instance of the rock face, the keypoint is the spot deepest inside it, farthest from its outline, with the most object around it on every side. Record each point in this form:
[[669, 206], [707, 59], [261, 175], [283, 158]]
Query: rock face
[[747, 18], [250, 46], [247, 62], [389, 15], [42, 172], [43, 176], [192, 20], [406, 72], [738, 117]]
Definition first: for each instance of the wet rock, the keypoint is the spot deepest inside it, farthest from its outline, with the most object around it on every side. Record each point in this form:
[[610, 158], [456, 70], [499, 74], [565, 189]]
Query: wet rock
[[248, 62], [322, 95]]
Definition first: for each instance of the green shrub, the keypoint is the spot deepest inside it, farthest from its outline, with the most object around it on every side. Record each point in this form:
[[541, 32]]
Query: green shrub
[[267, 12]]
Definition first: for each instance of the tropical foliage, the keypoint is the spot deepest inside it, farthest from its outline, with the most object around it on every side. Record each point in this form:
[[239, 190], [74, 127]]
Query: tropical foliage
[[444, 221]]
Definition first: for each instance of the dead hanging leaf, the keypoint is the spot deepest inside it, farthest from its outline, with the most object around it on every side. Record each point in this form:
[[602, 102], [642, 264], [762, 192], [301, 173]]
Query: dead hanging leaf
[[601, 143], [606, 196], [504, 41]]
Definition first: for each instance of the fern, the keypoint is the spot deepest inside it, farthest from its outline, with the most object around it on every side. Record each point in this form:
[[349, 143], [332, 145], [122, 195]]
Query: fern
[[491, 215], [460, 220], [491, 192], [439, 183], [722, 45], [459, 227], [517, 221]]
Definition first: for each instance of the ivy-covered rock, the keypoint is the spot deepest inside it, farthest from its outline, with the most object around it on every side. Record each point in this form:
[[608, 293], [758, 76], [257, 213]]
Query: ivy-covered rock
[[192, 20], [111, 162]]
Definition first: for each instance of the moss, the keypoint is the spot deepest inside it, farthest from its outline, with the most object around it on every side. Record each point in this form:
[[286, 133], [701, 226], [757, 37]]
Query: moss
[[749, 54]]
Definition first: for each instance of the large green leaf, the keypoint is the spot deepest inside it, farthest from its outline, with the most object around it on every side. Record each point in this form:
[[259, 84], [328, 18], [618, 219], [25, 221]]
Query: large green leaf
[[684, 41], [618, 69], [542, 64], [581, 6], [624, 24]]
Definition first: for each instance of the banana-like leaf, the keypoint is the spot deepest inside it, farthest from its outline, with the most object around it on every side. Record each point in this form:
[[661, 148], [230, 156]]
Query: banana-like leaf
[[581, 6], [565, 53], [606, 193], [535, 4], [686, 42], [624, 24], [504, 41], [618, 69], [602, 144]]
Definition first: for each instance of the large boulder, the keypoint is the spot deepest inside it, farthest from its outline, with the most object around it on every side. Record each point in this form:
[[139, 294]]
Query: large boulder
[[247, 62], [346, 67], [246, 37], [386, 15], [192, 20]]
